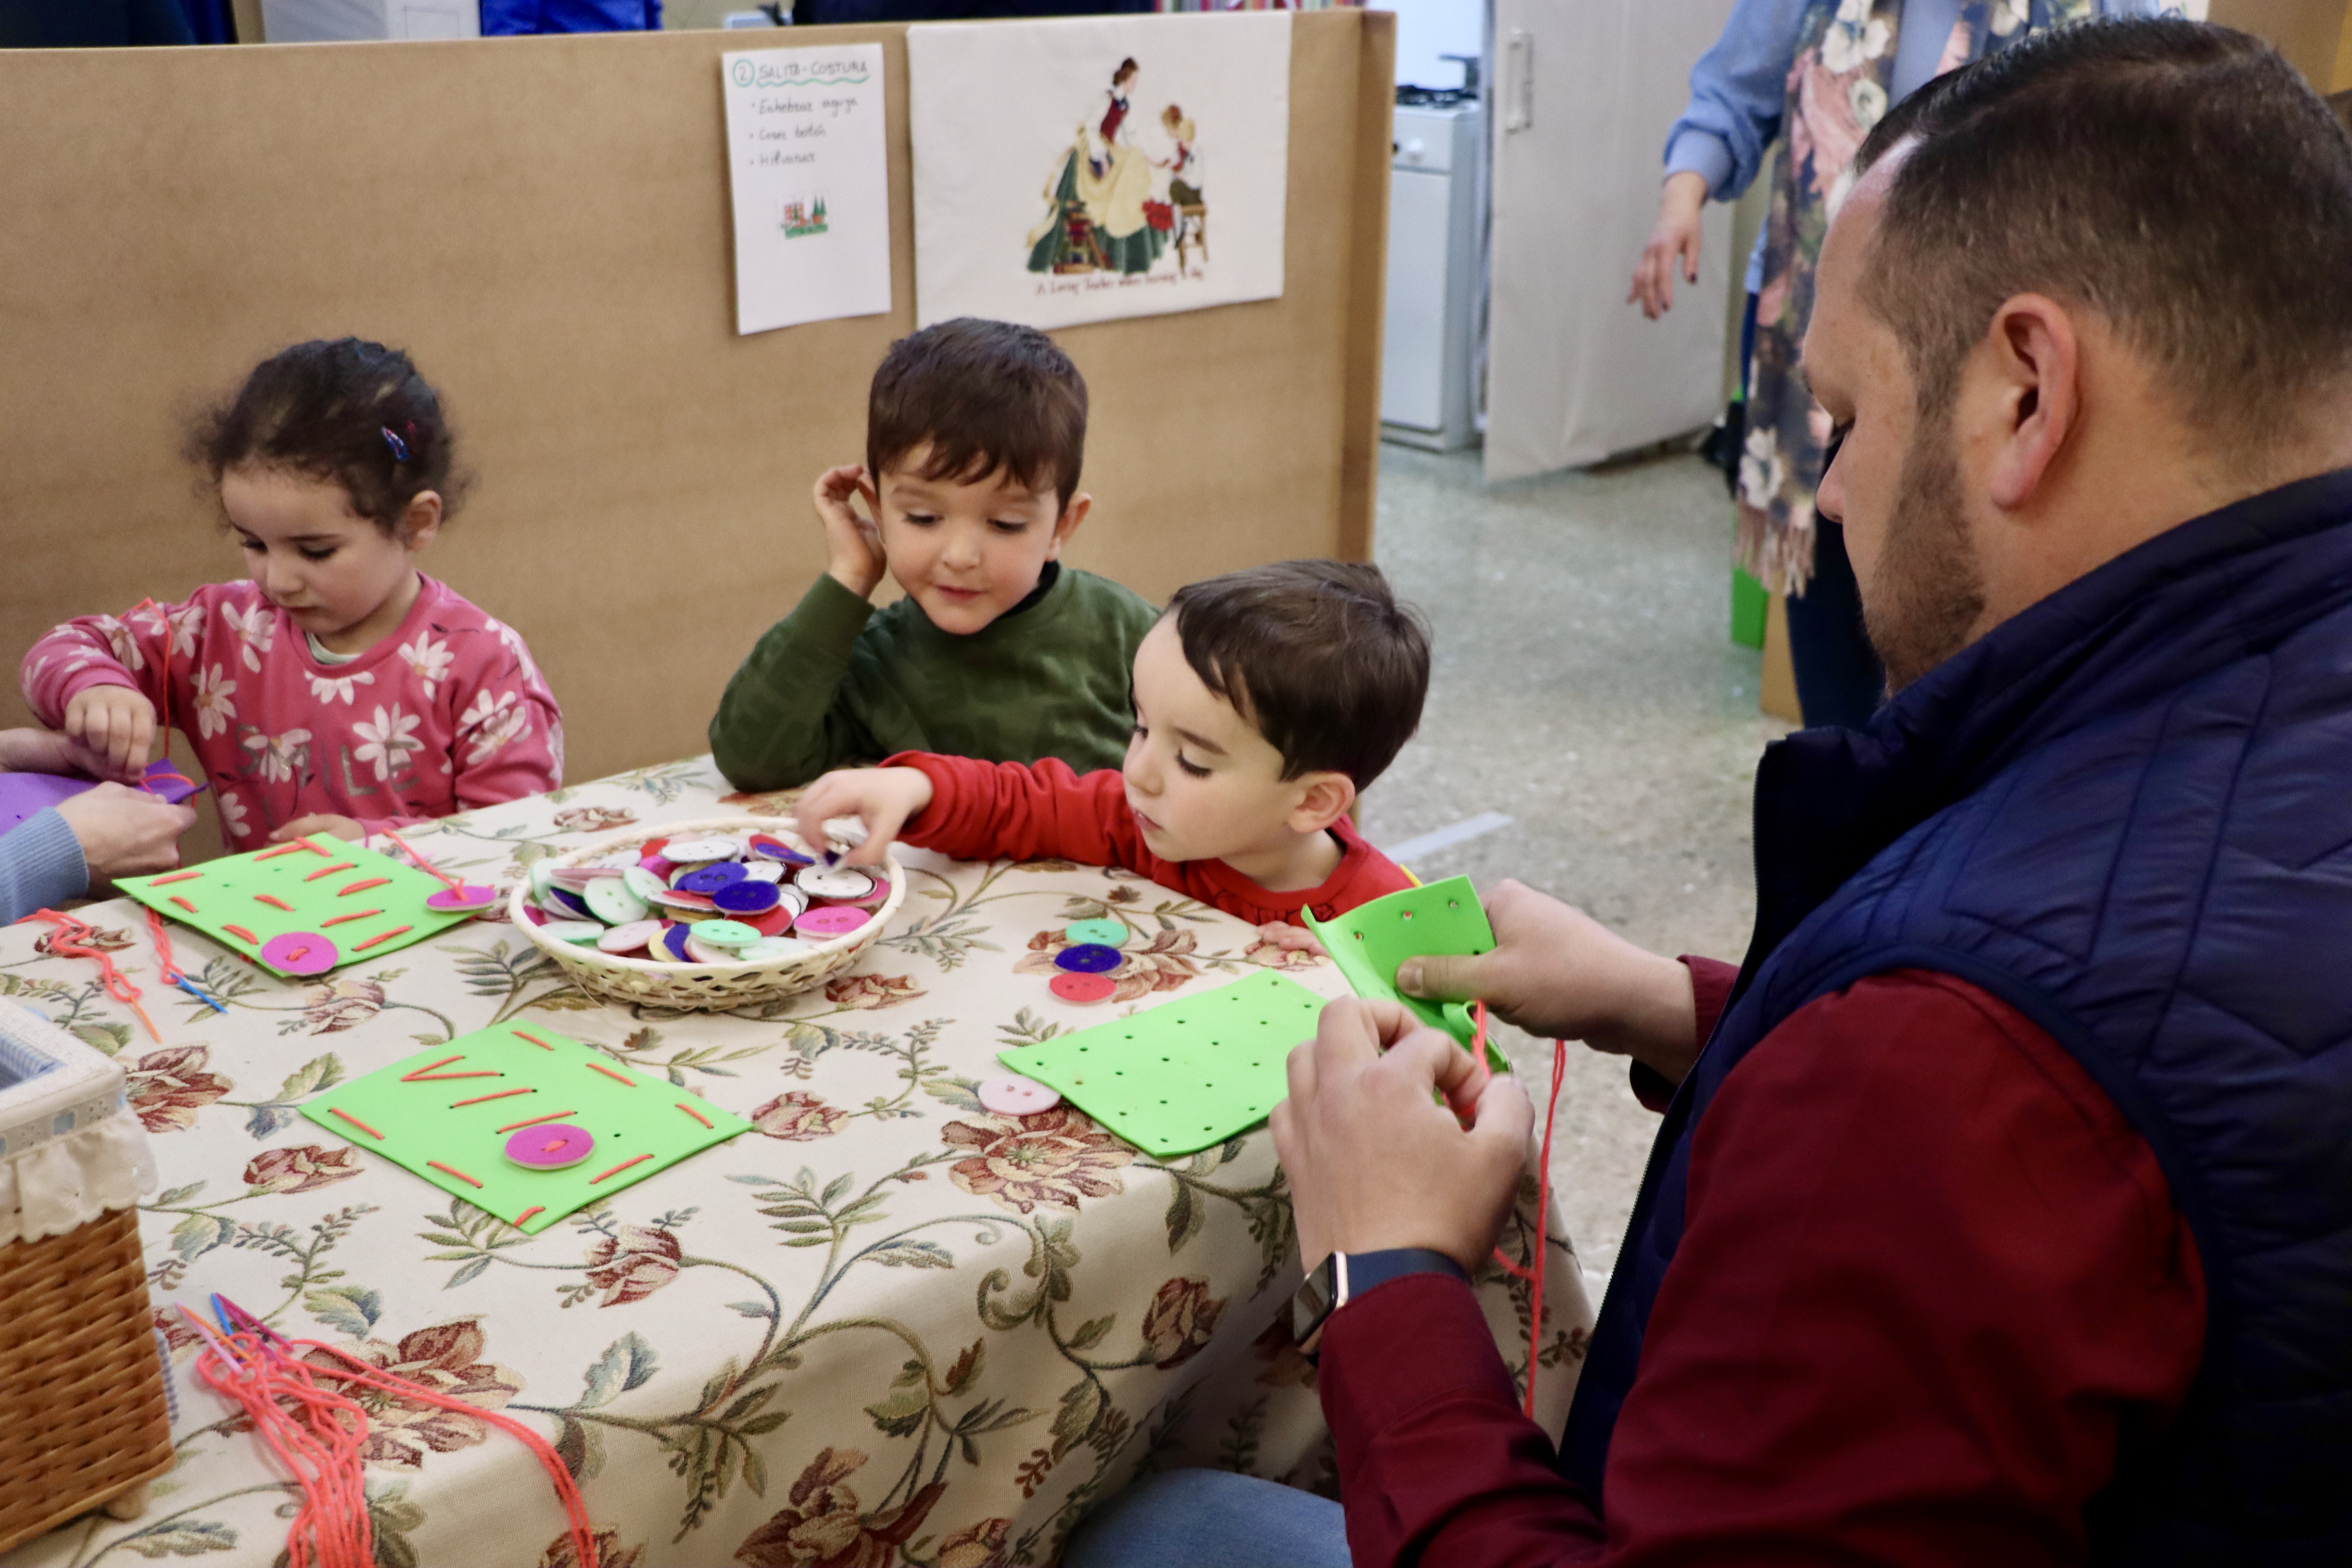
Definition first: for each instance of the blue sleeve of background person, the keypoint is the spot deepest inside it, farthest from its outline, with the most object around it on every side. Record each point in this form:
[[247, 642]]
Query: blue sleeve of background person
[[40, 865], [1738, 89]]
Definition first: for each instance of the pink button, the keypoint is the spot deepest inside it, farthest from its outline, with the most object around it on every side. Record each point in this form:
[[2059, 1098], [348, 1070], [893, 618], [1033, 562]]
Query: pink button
[[632, 936], [1086, 990], [1014, 1095], [550, 1146], [833, 919], [462, 900], [299, 952]]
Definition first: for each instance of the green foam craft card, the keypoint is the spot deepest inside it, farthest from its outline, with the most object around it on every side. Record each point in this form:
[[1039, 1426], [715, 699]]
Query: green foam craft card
[[1371, 940], [450, 1112], [1183, 1074], [364, 904]]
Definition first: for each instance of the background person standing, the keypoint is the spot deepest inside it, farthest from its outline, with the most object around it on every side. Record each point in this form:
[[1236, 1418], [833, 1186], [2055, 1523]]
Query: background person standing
[[1823, 72]]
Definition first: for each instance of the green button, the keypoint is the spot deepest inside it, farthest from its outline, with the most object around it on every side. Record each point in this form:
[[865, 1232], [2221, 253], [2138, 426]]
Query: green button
[[1106, 934], [724, 933]]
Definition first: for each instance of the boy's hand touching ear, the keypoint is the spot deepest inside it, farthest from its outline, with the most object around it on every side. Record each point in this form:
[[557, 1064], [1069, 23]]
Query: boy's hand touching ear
[[884, 799], [117, 724], [853, 540]]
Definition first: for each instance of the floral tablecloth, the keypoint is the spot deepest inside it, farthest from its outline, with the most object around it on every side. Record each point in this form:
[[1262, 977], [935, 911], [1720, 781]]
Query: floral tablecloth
[[887, 1327]]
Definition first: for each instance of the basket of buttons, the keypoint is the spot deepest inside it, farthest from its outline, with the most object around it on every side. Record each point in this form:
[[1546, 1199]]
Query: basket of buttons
[[711, 915]]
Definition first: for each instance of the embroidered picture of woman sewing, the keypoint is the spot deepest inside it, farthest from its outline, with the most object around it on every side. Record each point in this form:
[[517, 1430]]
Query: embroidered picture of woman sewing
[[1107, 207]]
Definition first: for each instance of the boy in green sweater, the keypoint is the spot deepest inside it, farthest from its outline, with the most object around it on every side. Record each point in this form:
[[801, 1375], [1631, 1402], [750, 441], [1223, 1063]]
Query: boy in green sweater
[[974, 434]]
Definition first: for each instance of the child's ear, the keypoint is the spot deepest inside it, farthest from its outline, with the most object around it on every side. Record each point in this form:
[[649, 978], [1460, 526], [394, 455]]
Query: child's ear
[[1324, 799], [422, 520], [1067, 524]]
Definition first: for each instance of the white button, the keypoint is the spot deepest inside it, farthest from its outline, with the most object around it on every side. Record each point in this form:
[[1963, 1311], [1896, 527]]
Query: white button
[[1014, 1095]]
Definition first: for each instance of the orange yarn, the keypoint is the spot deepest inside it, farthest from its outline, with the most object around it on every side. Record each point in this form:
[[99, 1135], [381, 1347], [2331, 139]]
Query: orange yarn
[[68, 944], [320, 1435], [1533, 1275]]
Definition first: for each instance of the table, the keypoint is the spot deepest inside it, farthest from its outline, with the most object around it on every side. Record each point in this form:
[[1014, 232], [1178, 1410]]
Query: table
[[890, 1327]]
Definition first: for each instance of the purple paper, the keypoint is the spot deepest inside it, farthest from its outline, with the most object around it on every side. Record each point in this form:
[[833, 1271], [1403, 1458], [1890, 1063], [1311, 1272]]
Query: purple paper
[[26, 795]]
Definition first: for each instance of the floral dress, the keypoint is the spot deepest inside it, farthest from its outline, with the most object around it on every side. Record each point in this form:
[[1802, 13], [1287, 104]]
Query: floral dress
[[1836, 93], [446, 713]]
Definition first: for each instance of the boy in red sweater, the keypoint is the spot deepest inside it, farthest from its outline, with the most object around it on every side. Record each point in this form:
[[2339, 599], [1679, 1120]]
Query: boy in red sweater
[[1264, 701]]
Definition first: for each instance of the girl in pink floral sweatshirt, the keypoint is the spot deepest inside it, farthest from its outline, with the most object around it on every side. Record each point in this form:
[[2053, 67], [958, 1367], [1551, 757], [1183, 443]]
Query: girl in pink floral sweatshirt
[[339, 689]]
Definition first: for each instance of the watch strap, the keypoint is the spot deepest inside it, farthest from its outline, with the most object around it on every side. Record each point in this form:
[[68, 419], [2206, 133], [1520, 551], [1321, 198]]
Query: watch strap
[[1347, 1276], [1367, 1269]]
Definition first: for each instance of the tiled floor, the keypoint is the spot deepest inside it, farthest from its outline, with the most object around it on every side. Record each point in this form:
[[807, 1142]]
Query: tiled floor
[[1586, 688]]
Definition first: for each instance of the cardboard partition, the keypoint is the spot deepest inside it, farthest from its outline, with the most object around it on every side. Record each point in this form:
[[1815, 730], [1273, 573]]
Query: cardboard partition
[[544, 224]]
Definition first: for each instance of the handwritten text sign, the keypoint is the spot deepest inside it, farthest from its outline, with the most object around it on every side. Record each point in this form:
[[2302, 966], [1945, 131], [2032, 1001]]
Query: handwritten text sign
[[811, 184]]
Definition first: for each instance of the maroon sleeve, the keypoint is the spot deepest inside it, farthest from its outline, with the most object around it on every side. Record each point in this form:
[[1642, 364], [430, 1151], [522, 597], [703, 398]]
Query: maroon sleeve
[[1024, 811], [1929, 1277], [1711, 981]]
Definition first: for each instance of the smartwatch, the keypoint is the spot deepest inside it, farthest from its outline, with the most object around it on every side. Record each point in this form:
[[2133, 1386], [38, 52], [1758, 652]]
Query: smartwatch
[[1342, 1277]]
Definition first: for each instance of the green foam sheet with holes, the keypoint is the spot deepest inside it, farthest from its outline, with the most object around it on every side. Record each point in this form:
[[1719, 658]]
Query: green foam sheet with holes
[[1185, 1074], [1370, 941], [421, 1121], [227, 892]]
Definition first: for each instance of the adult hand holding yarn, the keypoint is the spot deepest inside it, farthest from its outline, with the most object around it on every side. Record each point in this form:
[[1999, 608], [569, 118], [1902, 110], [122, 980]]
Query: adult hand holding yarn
[[125, 832], [884, 799], [1374, 1161]]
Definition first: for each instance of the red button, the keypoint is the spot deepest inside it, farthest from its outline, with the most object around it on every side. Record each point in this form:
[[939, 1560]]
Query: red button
[[1086, 990]]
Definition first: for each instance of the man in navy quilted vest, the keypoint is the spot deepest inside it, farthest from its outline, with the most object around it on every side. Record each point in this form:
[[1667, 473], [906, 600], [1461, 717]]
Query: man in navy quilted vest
[[2000, 1211]]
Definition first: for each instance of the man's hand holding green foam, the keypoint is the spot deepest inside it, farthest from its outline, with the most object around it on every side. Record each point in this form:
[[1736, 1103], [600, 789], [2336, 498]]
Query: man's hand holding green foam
[[1559, 974]]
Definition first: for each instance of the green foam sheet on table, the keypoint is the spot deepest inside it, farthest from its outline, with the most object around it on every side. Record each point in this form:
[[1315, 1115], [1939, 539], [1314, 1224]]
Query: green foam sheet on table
[[1370, 941], [1183, 1074], [421, 1122], [227, 892]]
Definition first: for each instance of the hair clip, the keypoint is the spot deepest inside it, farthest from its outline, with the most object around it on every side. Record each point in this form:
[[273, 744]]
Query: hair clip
[[399, 447]]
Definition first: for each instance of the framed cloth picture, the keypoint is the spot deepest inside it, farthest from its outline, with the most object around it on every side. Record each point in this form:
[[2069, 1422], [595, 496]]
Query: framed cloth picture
[[1086, 169]]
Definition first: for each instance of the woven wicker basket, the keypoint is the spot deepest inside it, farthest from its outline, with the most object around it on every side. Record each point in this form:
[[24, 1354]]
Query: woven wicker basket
[[704, 987], [82, 1420]]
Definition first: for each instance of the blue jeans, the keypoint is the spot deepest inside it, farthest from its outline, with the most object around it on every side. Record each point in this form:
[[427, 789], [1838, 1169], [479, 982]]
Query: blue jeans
[[1210, 1519]]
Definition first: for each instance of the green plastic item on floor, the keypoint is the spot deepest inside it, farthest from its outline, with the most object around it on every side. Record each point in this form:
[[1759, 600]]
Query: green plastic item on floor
[[1749, 605], [1371, 940], [1186, 1074]]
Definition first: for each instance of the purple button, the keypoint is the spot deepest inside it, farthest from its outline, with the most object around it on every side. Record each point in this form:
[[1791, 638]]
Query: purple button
[[557, 902], [711, 878], [550, 1146], [1089, 958], [772, 848], [747, 897], [673, 942]]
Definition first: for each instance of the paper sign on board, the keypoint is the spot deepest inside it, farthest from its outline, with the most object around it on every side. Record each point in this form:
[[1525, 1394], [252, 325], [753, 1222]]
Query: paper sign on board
[[806, 165], [1086, 169]]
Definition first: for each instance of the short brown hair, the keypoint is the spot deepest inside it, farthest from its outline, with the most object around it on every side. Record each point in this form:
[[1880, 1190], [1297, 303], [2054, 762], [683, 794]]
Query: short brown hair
[[985, 397], [2181, 179], [1327, 664]]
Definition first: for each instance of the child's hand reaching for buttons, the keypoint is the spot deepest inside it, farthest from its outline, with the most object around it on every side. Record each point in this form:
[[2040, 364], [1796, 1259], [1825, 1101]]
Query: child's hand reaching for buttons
[[1290, 938], [884, 799], [118, 726], [852, 539]]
